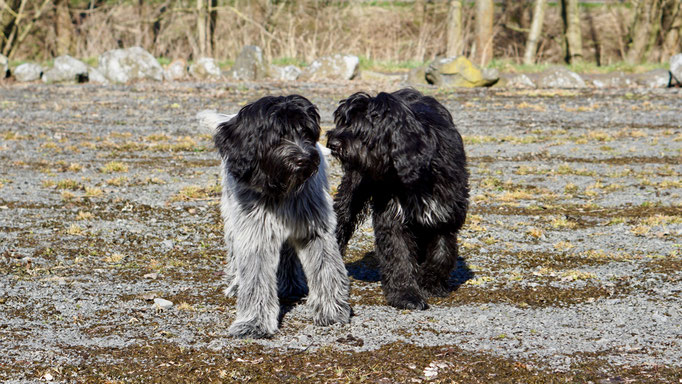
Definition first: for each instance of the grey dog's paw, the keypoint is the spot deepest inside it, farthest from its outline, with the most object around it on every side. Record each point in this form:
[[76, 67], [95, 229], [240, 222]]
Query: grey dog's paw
[[251, 330], [340, 313]]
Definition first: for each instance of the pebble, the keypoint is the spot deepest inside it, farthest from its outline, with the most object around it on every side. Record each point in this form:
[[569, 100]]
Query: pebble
[[162, 303]]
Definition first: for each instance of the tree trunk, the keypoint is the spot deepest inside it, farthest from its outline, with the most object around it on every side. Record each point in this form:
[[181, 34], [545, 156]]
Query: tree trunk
[[535, 30], [454, 33], [63, 28], [573, 38], [201, 27], [484, 31], [7, 23], [639, 33], [673, 28], [213, 19]]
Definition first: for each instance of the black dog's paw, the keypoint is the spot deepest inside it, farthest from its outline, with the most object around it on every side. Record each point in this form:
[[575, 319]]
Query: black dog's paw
[[407, 300], [435, 288]]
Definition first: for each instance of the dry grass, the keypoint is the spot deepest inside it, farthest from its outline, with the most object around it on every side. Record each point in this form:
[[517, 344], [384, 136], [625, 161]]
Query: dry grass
[[114, 166]]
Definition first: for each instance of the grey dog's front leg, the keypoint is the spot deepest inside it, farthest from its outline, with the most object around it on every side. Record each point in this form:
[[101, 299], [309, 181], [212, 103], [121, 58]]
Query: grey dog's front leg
[[328, 282], [257, 302]]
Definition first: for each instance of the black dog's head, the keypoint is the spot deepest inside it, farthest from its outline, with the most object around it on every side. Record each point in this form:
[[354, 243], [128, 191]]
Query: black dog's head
[[381, 136], [271, 144]]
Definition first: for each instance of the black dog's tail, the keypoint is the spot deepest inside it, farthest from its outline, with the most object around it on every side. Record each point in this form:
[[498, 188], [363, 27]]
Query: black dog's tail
[[210, 120]]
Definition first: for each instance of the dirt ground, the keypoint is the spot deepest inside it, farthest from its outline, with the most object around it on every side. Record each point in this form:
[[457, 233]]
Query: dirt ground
[[571, 266]]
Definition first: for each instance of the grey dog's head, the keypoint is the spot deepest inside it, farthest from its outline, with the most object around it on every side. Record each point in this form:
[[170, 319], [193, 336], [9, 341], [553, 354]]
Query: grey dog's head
[[271, 144]]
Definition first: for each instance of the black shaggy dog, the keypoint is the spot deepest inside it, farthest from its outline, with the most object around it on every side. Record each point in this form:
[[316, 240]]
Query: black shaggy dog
[[402, 157]]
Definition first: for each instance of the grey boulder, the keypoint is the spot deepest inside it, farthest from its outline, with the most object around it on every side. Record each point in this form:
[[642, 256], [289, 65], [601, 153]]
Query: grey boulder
[[284, 73], [249, 65], [124, 65], [559, 77], [28, 72], [66, 69], [657, 78], [334, 67], [616, 79]]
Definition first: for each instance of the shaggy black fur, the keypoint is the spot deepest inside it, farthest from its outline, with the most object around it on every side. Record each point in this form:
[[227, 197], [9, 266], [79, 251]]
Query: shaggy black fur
[[270, 144], [404, 160]]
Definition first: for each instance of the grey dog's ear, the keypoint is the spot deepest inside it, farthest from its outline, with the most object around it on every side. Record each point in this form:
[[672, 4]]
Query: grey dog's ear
[[237, 143], [410, 145]]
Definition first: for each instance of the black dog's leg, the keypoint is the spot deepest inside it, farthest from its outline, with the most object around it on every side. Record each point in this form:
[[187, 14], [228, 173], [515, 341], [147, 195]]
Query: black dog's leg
[[396, 251], [351, 205], [291, 282], [441, 258]]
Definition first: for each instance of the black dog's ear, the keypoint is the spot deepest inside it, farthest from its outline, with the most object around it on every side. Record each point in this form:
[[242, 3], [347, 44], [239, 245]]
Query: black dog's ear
[[351, 110], [237, 144], [411, 145]]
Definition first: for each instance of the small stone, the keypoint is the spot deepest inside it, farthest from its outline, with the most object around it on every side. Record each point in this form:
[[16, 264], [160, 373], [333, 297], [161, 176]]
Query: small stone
[[676, 68], [417, 76], [47, 377], [205, 68], [152, 276], [162, 303], [176, 70]]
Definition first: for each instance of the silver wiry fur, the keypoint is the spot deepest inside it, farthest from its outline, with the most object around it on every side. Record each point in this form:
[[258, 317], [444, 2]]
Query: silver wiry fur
[[275, 250]]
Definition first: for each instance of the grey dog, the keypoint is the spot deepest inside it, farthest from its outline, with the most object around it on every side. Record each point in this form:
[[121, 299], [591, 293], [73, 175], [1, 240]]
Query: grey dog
[[277, 213]]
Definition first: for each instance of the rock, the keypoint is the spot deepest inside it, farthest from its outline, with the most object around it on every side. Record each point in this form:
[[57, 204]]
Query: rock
[[205, 68], [95, 76], [4, 66], [517, 80], [162, 303], [675, 67], [249, 65], [417, 76], [610, 80], [124, 65], [559, 77], [378, 77], [66, 69], [176, 70], [657, 78], [286, 73], [28, 72], [459, 72], [336, 67]]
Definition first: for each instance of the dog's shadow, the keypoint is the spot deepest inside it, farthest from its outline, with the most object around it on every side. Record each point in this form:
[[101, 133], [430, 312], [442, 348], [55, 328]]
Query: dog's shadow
[[367, 269]]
